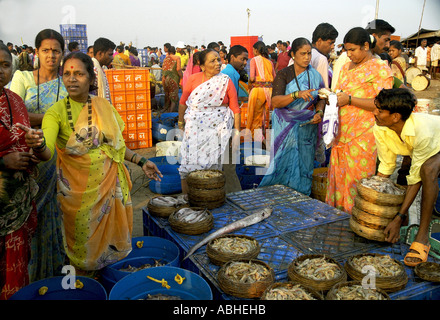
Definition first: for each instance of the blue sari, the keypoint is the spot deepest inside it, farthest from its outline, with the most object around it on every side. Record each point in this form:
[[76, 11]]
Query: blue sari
[[294, 146]]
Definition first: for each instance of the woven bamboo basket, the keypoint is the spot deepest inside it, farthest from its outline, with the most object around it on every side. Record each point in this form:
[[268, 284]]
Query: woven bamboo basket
[[315, 294], [191, 228], [214, 179], [163, 212], [331, 295], [375, 209], [366, 231], [207, 204], [244, 290], [386, 283], [383, 199], [319, 184], [370, 220], [429, 271], [219, 257], [319, 285]]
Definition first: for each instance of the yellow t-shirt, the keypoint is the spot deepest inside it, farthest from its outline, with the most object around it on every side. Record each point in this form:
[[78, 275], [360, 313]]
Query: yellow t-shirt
[[420, 139], [183, 60]]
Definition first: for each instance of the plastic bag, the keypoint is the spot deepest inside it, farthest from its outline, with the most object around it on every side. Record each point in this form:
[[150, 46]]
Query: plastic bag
[[330, 122]]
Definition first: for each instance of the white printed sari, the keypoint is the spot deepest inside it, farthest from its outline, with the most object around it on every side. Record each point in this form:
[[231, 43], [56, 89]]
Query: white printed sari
[[208, 126]]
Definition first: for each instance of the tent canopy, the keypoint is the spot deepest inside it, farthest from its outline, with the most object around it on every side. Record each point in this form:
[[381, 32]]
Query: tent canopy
[[431, 35]]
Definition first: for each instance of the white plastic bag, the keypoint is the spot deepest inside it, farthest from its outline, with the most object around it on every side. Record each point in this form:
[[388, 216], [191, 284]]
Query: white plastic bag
[[330, 122]]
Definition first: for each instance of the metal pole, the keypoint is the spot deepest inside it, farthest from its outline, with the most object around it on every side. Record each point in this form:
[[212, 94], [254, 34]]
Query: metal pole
[[249, 14], [420, 25], [377, 9]]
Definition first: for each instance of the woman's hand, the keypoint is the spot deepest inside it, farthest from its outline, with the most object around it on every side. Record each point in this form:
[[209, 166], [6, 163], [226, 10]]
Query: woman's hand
[[17, 160], [306, 95], [34, 137], [317, 118], [151, 171], [343, 99]]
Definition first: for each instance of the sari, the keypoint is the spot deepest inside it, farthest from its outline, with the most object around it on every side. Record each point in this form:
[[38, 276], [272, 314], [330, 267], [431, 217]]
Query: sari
[[398, 66], [171, 80], [294, 145], [101, 82], [93, 182], [353, 154], [259, 102], [47, 254], [18, 213], [208, 126]]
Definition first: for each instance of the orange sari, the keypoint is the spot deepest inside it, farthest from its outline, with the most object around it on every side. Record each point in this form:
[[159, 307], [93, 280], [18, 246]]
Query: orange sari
[[259, 102], [353, 155]]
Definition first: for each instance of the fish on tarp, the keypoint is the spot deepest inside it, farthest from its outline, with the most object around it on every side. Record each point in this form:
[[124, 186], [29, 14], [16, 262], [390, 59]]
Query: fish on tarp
[[239, 224]]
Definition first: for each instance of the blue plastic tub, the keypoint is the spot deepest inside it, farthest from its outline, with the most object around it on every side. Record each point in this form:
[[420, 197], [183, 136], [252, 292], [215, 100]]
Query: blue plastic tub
[[137, 286], [91, 290], [170, 182], [247, 175], [162, 124], [151, 248]]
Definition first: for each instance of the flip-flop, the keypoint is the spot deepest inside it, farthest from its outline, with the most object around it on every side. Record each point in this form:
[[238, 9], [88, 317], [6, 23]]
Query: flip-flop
[[421, 253]]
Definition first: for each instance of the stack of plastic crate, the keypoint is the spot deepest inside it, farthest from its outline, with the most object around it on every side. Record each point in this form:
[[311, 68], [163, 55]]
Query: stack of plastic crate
[[130, 90], [74, 33], [245, 41], [143, 56]]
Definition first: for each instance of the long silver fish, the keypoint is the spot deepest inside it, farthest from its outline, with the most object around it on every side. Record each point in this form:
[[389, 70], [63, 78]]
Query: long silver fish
[[239, 224]]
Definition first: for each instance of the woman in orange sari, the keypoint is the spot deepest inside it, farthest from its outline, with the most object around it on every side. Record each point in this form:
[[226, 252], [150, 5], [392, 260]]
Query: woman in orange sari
[[353, 155], [262, 73]]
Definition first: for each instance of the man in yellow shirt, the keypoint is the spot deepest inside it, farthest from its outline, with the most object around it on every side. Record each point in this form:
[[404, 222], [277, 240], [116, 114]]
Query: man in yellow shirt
[[399, 131]]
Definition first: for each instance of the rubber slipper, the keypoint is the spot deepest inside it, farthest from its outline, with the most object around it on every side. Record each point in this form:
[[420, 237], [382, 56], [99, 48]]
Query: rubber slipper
[[421, 253]]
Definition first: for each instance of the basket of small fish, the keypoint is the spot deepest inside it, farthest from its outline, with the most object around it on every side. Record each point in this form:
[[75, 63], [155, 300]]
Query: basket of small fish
[[367, 225], [353, 290], [381, 191], [232, 247], [429, 271], [164, 206], [245, 278], [290, 291], [206, 179], [191, 220], [316, 271], [389, 274]]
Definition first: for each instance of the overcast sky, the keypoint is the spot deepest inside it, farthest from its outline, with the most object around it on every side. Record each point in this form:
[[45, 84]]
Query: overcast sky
[[196, 22]]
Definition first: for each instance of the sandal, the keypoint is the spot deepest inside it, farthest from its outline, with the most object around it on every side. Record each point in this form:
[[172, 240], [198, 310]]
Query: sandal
[[421, 253]]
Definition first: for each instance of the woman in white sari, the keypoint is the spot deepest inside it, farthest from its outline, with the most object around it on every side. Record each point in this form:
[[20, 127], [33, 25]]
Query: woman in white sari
[[208, 112]]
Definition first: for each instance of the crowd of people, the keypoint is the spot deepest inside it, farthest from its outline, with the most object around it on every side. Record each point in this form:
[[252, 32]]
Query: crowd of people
[[65, 191]]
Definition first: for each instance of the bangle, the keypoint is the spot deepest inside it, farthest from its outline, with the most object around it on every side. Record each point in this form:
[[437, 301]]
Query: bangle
[[401, 215], [142, 162], [40, 147], [349, 100], [134, 154]]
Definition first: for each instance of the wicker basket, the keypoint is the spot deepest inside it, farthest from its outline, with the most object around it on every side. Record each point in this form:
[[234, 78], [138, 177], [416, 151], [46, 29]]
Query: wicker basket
[[192, 228], [331, 295], [370, 220], [207, 204], [163, 212], [319, 285], [429, 271], [365, 231], [375, 209], [388, 284], [383, 199], [244, 290], [315, 294], [319, 184], [196, 182], [219, 258]]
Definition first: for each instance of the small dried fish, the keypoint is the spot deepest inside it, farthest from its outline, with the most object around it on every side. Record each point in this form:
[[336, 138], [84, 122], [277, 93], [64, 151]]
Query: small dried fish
[[130, 268], [234, 245], [206, 174], [189, 215], [161, 296], [385, 266], [246, 272], [318, 269], [383, 185], [357, 292], [289, 292], [169, 201]]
